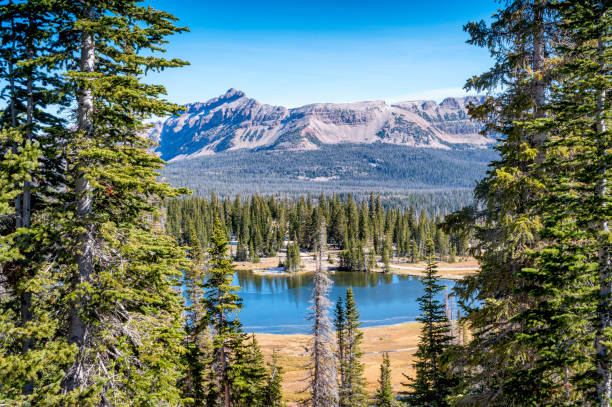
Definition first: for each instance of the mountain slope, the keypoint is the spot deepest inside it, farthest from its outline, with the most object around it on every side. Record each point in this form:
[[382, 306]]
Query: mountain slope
[[234, 122]]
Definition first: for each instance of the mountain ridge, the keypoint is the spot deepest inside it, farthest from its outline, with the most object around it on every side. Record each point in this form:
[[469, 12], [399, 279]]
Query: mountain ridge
[[233, 121]]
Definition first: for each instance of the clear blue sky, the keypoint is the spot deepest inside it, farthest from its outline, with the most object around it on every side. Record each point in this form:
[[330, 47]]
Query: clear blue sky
[[297, 52]]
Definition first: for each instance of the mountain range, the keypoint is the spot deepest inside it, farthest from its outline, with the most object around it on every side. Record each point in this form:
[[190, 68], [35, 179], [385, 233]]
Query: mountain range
[[233, 144], [234, 121]]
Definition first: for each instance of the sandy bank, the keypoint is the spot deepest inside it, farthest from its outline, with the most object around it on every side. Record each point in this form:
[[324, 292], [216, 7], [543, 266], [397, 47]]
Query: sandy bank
[[451, 271]]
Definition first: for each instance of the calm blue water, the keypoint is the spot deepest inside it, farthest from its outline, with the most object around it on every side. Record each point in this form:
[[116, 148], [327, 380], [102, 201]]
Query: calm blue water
[[279, 304]]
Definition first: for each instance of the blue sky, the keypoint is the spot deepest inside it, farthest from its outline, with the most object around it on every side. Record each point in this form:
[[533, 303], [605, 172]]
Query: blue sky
[[293, 53]]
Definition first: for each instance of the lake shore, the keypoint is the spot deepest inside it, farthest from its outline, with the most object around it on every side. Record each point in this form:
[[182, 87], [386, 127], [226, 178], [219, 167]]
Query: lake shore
[[451, 271], [399, 340]]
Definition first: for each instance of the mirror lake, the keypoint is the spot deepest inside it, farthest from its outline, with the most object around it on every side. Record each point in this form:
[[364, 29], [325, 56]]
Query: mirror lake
[[278, 303]]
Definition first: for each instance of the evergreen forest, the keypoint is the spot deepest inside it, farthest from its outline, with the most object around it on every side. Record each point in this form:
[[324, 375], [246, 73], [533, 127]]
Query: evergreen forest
[[363, 233], [117, 288]]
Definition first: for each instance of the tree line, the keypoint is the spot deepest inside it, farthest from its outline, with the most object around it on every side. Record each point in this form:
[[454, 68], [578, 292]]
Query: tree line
[[364, 232]]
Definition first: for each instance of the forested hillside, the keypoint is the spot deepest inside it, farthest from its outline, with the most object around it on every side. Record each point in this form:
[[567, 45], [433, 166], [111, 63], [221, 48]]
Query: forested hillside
[[389, 170]]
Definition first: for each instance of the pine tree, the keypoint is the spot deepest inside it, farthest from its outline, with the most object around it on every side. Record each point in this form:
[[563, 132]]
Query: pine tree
[[249, 374], [221, 303], [353, 391], [498, 362], [432, 385], [273, 395], [384, 393], [340, 325]]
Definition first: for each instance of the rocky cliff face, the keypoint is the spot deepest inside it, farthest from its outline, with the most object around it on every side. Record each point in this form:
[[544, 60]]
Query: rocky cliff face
[[233, 121]]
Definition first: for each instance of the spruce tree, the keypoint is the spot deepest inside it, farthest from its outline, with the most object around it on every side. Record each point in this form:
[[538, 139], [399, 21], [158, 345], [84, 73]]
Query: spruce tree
[[583, 112], [198, 341], [384, 393], [293, 259], [432, 385], [273, 395], [575, 213], [249, 374], [29, 67], [222, 303], [352, 393], [498, 363], [340, 325], [98, 210], [33, 356]]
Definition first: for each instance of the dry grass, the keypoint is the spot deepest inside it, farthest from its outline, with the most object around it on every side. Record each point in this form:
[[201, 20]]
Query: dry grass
[[455, 270], [399, 340]]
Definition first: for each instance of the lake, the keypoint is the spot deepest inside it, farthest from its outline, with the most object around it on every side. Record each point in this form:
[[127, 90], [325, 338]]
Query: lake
[[279, 303]]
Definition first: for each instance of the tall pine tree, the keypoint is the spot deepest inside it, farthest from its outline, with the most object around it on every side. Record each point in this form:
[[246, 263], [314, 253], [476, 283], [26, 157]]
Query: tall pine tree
[[432, 383], [352, 390], [124, 315], [222, 303]]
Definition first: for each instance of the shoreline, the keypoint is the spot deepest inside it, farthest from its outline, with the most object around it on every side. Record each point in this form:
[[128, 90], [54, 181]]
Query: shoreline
[[403, 269], [399, 339], [382, 326]]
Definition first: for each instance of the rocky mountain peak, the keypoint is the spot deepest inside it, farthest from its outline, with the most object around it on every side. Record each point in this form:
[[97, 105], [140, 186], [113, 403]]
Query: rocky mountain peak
[[233, 121]]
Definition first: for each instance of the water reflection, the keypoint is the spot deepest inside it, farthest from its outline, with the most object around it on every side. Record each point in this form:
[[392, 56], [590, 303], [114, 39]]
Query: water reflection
[[279, 303]]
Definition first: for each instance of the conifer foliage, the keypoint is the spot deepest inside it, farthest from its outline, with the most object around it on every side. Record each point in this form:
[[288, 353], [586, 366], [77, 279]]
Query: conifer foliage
[[384, 393], [101, 275], [124, 267], [349, 338], [571, 276], [273, 396], [539, 333], [91, 311], [432, 383], [364, 232]]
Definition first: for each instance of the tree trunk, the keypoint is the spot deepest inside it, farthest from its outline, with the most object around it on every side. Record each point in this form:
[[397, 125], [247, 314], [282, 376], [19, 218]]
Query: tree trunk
[[78, 329], [23, 202], [223, 361], [602, 348], [26, 206], [539, 83], [324, 379], [11, 69]]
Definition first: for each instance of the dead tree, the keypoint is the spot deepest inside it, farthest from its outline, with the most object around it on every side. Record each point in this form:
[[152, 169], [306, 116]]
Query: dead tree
[[324, 379]]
